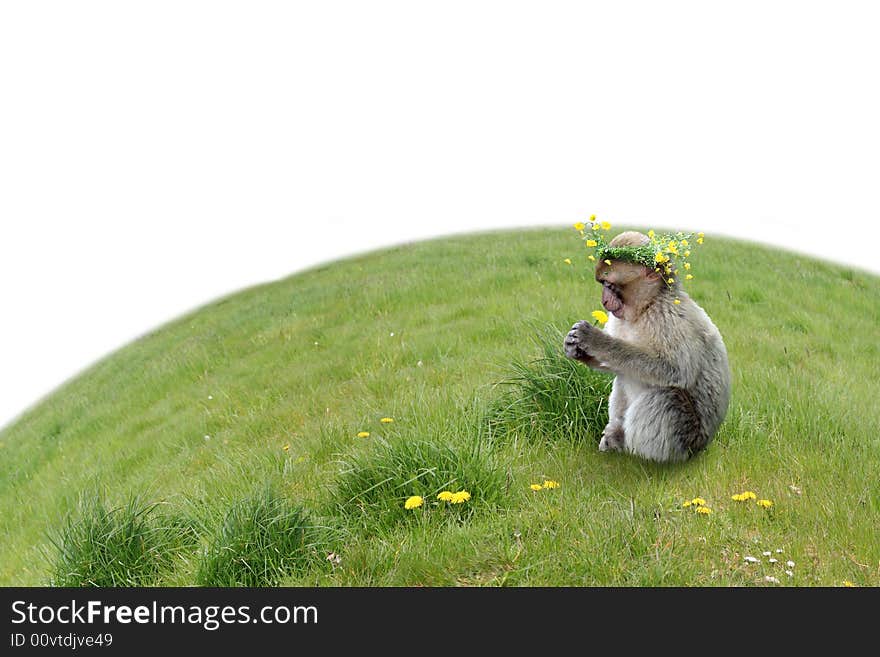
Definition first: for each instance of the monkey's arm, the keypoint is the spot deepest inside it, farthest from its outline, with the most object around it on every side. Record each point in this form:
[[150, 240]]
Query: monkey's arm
[[592, 362], [624, 358]]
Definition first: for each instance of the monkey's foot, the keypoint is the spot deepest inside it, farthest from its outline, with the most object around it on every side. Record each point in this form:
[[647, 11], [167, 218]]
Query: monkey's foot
[[612, 439]]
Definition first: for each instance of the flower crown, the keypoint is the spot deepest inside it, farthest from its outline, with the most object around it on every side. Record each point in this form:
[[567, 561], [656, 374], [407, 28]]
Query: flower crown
[[663, 254]]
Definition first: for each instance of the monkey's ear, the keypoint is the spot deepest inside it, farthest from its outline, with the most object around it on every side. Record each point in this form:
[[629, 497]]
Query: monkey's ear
[[652, 274]]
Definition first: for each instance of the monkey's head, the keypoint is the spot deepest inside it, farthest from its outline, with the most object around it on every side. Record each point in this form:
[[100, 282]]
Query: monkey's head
[[627, 286]]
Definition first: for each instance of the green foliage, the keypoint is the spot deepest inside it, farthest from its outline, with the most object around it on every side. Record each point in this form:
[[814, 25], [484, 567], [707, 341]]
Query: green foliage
[[551, 397], [126, 545], [644, 255], [665, 250], [262, 539], [372, 487]]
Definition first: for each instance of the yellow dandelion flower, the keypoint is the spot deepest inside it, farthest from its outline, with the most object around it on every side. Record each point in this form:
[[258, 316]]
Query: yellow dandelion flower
[[677, 302], [592, 243], [745, 495], [413, 502], [579, 225], [705, 510], [459, 497], [606, 225], [592, 218], [387, 420], [687, 254], [688, 277], [700, 234], [536, 486], [698, 501], [549, 483], [765, 503], [673, 244], [651, 234], [567, 261], [286, 448], [848, 584], [660, 258], [608, 262], [684, 243], [444, 496], [363, 434], [687, 503], [687, 265], [595, 226], [591, 258], [599, 316], [737, 497], [699, 240], [670, 281]]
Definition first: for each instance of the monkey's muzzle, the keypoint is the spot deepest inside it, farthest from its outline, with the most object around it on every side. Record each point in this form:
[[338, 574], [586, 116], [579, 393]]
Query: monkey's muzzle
[[611, 299]]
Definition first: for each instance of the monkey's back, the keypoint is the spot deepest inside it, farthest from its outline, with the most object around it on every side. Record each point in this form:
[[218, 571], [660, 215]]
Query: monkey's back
[[710, 388]]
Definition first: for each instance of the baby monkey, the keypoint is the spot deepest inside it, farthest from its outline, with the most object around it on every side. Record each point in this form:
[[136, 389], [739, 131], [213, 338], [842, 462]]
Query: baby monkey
[[672, 379]]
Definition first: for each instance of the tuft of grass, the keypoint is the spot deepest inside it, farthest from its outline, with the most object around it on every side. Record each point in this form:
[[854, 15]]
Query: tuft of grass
[[372, 488], [551, 397], [127, 545], [262, 539]]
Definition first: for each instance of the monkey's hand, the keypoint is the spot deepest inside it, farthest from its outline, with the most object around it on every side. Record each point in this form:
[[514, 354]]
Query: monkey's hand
[[577, 349], [577, 344], [584, 337]]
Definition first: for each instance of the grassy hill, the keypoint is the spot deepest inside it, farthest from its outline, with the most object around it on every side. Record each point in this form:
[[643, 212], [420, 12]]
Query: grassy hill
[[229, 437]]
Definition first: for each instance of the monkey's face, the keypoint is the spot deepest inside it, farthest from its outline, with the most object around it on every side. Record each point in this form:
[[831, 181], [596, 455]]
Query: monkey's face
[[624, 284]]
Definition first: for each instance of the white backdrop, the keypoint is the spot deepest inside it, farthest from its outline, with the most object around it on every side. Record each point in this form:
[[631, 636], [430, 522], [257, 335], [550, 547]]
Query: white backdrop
[[156, 155]]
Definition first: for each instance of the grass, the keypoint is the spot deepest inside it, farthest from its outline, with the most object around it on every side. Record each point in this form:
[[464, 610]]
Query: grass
[[550, 397], [373, 487], [198, 412], [262, 539], [127, 545]]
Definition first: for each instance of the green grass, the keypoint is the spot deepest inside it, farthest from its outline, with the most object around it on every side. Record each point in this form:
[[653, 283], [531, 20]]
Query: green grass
[[309, 361], [128, 545], [372, 488], [550, 397], [262, 539]]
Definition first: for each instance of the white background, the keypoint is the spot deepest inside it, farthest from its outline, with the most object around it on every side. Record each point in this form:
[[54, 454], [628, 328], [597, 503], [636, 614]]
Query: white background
[[156, 155]]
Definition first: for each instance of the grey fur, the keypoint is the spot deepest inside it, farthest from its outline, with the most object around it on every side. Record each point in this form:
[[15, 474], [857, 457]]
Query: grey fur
[[672, 384]]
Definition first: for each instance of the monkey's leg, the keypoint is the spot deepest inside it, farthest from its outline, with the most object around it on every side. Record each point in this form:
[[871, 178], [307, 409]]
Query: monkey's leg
[[662, 425], [613, 435]]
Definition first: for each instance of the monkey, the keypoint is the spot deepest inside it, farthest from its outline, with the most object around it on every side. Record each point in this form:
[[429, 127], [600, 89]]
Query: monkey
[[672, 377]]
